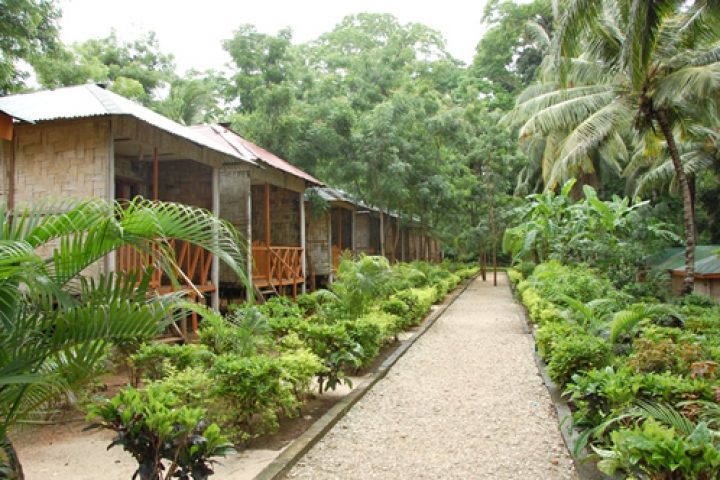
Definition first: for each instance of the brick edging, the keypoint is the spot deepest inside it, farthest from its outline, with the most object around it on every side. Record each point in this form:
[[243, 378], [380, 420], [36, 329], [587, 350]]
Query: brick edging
[[302, 444]]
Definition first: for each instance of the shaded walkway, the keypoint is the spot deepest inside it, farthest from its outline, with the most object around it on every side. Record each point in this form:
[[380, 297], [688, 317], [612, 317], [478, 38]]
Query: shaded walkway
[[466, 401]]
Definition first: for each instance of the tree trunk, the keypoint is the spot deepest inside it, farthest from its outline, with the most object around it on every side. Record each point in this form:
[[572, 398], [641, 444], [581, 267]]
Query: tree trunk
[[9, 455], [688, 215], [482, 263]]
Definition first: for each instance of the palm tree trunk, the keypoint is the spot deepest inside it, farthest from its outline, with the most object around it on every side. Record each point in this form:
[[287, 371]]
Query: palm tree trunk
[[9, 455], [688, 214]]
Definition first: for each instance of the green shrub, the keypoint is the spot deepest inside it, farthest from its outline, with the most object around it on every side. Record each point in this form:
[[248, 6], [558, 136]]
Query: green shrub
[[244, 332], [191, 387], [155, 360], [539, 309], [659, 355], [397, 307], [254, 392], [426, 298], [280, 306], [515, 276], [698, 300], [576, 354], [552, 279], [652, 450], [307, 303], [600, 393], [368, 332], [468, 272], [550, 333], [334, 345], [361, 283], [406, 276], [412, 301], [299, 368]]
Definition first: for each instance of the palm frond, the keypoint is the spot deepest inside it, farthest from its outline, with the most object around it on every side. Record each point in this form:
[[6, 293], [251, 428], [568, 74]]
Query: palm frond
[[566, 114], [589, 135], [664, 414], [625, 320], [695, 82]]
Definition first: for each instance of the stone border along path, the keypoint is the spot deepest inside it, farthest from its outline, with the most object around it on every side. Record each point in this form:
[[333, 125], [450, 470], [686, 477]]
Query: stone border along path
[[465, 401]]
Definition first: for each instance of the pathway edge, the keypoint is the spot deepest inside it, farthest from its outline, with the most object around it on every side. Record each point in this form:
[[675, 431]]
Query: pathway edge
[[302, 444], [585, 469]]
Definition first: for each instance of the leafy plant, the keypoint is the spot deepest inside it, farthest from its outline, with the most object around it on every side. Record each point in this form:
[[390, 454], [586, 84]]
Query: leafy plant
[[625, 320], [664, 445], [255, 391], [167, 440], [153, 360], [57, 322], [576, 354]]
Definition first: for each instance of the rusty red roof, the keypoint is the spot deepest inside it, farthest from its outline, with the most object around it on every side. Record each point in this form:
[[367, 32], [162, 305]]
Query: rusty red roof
[[252, 152]]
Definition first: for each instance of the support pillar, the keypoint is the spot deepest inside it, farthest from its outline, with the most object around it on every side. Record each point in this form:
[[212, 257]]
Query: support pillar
[[215, 267], [303, 242], [382, 235]]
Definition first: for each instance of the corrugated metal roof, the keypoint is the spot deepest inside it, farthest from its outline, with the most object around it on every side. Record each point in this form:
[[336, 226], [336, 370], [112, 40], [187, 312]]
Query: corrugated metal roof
[[215, 133], [83, 101], [706, 259], [331, 194], [238, 143]]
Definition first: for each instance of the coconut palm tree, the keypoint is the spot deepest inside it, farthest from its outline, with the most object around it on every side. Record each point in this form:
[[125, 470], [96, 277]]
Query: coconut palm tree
[[57, 319], [657, 69]]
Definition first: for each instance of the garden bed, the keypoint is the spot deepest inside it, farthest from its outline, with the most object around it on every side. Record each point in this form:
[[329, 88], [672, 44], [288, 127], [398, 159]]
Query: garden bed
[[64, 450]]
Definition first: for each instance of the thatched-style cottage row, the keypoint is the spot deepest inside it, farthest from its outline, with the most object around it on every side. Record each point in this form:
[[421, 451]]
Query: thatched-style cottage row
[[85, 141]]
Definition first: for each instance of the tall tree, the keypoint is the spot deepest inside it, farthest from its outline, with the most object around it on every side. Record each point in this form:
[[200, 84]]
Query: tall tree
[[28, 30], [507, 56], [136, 69], [659, 73]]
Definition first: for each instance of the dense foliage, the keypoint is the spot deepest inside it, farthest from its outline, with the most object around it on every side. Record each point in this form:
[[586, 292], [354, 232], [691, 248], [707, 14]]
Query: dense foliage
[[640, 373], [58, 320], [258, 364]]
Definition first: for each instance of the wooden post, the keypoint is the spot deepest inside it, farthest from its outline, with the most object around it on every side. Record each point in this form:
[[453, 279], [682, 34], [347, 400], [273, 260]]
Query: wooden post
[[331, 275], [10, 174], [156, 170], [248, 232], [402, 245], [302, 242], [353, 224], [382, 235], [110, 258], [215, 268], [266, 200], [340, 229]]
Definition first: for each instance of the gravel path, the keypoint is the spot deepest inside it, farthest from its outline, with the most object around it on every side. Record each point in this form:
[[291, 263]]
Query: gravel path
[[465, 401]]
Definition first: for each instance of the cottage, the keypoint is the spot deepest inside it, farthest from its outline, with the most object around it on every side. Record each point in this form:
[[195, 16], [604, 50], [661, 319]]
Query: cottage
[[84, 141], [268, 206]]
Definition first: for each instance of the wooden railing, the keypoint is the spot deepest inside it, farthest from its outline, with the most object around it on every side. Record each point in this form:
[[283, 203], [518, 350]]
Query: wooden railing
[[192, 266], [277, 267], [191, 270]]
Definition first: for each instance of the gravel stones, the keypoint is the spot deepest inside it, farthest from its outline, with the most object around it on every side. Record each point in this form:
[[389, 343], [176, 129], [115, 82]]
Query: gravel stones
[[466, 401]]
